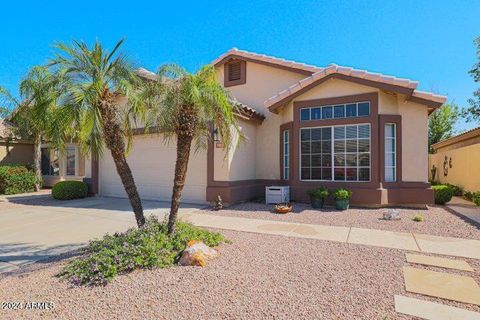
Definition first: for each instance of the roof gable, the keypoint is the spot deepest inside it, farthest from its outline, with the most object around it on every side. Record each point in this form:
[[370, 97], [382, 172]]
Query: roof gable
[[376, 80], [271, 61]]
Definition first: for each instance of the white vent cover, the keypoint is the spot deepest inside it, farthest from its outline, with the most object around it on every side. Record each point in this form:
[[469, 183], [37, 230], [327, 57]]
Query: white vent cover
[[277, 194]]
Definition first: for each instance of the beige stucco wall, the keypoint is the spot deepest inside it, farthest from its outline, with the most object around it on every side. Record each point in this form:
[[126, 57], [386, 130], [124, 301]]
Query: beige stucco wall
[[16, 153], [465, 170], [262, 83], [414, 141], [242, 158], [240, 163]]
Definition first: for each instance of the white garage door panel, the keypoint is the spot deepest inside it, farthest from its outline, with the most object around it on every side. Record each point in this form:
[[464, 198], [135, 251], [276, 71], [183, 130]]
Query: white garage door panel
[[153, 164]]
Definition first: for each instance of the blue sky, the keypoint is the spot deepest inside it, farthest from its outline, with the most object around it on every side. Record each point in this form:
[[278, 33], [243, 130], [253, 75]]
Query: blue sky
[[428, 41]]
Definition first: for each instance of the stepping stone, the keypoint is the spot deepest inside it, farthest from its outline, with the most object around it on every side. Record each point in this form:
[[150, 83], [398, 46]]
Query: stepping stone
[[383, 238], [466, 248], [438, 262], [441, 285], [431, 310]]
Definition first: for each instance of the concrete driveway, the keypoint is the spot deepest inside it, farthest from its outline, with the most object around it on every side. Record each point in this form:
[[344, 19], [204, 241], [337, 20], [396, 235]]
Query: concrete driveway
[[33, 228]]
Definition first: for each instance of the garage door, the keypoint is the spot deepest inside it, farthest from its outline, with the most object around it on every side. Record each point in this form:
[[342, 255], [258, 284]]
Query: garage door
[[153, 162]]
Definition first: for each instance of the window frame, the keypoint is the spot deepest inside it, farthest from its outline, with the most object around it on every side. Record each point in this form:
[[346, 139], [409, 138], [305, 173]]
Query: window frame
[[75, 150], [332, 107], [393, 153], [332, 153], [286, 154]]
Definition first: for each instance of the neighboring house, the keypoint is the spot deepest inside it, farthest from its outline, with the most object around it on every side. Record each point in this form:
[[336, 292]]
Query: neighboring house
[[13, 149], [306, 127], [457, 160], [56, 166]]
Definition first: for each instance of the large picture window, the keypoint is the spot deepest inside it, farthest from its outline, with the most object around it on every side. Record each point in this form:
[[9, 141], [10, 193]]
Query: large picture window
[[335, 153]]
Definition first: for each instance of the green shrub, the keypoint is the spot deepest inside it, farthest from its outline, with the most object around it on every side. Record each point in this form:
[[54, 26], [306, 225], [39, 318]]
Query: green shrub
[[443, 193], [457, 191], [342, 194], [67, 190], [318, 193], [418, 218], [468, 195], [145, 248], [476, 198], [16, 179]]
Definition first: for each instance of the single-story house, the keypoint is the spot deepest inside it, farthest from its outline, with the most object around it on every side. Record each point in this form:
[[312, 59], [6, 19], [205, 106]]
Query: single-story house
[[455, 160], [305, 127]]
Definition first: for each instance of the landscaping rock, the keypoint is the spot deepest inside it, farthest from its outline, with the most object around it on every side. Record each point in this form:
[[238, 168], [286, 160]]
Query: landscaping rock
[[197, 253], [392, 214]]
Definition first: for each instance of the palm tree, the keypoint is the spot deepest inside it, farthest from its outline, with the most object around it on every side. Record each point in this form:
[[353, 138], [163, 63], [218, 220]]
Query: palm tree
[[187, 108], [98, 83], [36, 113]]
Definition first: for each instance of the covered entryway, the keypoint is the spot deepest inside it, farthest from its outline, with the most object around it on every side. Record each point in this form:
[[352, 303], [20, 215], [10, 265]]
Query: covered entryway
[[152, 161]]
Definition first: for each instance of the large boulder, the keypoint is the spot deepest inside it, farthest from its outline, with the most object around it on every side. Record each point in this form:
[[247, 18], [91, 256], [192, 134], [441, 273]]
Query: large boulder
[[197, 253]]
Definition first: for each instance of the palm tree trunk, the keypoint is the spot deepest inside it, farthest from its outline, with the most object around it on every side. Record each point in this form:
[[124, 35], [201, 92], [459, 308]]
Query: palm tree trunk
[[37, 160], [114, 141], [126, 176], [184, 143]]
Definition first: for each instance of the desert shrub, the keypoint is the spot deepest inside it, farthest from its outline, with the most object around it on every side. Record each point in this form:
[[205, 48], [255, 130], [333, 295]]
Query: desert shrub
[[318, 193], [468, 195], [418, 218], [67, 190], [16, 179], [342, 194], [457, 191], [443, 193], [145, 248], [476, 198]]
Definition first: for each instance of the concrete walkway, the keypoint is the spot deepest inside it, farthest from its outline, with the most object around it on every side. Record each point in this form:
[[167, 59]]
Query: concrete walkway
[[459, 247], [465, 208], [42, 228]]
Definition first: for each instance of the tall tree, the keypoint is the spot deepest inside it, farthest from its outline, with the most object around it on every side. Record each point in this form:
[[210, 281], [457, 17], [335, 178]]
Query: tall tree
[[188, 107], [472, 113], [441, 123], [36, 113], [102, 100]]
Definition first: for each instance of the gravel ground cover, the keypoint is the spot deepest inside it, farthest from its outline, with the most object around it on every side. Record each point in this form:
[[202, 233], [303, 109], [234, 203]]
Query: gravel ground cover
[[256, 277], [438, 221]]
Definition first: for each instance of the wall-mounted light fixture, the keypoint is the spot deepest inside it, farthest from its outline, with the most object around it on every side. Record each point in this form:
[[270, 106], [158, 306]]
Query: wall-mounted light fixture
[[215, 135]]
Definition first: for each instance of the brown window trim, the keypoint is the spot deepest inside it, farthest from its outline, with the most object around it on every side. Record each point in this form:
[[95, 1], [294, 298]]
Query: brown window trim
[[397, 120], [372, 119], [284, 127], [243, 73]]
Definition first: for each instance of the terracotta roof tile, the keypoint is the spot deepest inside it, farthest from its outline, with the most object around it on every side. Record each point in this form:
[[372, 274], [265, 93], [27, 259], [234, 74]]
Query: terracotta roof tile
[[269, 59], [361, 74]]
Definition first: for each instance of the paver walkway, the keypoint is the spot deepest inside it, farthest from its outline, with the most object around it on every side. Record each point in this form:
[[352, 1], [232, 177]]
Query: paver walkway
[[466, 248], [431, 310], [465, 208]]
